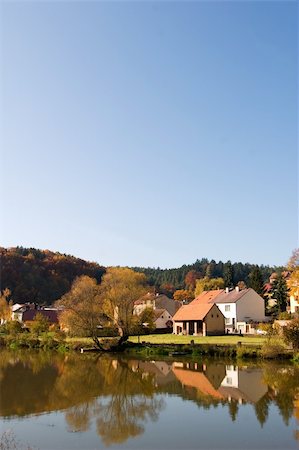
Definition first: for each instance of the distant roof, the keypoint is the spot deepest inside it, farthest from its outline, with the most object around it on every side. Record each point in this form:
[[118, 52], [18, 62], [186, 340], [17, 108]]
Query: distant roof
[[221, 296], [158, 312], [193, 311], [31, 313], [208, 296]]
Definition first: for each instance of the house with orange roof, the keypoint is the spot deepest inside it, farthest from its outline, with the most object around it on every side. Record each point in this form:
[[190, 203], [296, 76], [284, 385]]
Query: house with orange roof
[[239, 307], [199, 319]]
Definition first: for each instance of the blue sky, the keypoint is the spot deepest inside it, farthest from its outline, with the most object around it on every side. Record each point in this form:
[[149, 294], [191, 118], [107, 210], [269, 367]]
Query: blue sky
[[148, 133]]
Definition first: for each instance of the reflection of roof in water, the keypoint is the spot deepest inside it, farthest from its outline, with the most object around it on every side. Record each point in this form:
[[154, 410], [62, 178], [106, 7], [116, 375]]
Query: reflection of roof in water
[[197, 380]]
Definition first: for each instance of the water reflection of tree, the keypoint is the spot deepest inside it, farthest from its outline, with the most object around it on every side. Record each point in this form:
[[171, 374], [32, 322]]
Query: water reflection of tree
[[283, 388], [130, 402]]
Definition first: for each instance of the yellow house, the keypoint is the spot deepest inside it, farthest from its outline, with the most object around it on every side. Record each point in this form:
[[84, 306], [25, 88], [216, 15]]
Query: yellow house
[[199, 319]]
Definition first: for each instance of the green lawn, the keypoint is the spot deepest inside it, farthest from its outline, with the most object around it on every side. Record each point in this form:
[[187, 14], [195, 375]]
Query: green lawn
[[175, 339]]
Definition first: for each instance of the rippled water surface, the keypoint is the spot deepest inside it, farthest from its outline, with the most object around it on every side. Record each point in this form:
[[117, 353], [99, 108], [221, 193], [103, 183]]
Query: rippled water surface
[[51, 401]]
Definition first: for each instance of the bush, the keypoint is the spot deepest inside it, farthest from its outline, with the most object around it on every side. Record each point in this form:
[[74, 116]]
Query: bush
[[273, 349], [291, 334], [12, 327], [247, 352]]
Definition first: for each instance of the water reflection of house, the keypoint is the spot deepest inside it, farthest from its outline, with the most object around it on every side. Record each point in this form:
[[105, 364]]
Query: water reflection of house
[[194, 377], [161, 370], [243, 384], [223, 382]]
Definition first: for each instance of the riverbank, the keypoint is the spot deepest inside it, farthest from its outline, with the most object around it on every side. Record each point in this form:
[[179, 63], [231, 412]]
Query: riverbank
[[233, 347]]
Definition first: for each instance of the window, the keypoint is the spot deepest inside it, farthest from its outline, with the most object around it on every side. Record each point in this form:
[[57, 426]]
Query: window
[[227, 321], [217, 315], [229, 380], [227, 308], [212, 315]]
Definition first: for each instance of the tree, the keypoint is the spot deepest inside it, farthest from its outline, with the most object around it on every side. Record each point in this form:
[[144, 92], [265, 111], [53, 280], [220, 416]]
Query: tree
[[5, 306], [120, 288], [83, 308], [40, 324], [256, 280], [228, 274], [206, 284], [183, 294], [280, 293], [146, 321], [190, 279], [291, 333]]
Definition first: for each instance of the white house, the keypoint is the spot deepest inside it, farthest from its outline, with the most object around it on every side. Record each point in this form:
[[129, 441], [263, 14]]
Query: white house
[[162, 318], [239, 307], [294, 304]]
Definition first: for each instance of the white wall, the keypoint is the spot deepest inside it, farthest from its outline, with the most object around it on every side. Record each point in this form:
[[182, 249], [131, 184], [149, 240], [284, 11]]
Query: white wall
[[231, 314], [294, 303], [161, 321], [251, 307]]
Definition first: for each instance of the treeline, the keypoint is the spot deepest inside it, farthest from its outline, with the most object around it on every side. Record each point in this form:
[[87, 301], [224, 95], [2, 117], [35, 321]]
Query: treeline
[[179, 278], [41, 276]]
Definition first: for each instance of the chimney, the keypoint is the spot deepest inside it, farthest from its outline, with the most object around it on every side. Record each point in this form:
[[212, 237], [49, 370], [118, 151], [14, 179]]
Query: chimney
[[226, 290], [237, 288]]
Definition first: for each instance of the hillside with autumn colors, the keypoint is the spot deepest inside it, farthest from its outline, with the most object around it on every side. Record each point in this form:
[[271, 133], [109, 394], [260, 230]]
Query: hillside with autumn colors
[[41, 276]]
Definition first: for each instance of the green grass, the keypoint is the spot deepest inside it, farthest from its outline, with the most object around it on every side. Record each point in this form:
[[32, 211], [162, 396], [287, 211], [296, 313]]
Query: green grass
[[175, 339]]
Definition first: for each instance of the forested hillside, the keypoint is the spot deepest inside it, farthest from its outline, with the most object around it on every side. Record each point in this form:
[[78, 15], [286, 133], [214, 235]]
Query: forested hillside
[[172, 279], [41, 276]]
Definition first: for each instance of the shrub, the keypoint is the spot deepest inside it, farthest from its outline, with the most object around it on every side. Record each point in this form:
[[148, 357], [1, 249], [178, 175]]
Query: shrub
[[12, 327], [273, 349], [247, 352], [291, 333]]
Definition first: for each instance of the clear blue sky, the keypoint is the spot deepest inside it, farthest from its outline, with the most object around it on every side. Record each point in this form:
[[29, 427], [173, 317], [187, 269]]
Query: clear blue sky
[[150, 134]]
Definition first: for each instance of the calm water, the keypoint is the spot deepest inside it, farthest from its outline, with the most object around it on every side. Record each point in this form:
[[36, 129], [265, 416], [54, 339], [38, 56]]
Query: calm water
[[90, 402]]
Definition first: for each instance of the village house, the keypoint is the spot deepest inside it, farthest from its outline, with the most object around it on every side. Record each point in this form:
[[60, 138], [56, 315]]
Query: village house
[[199, 319], [164, 309], [241, 308]]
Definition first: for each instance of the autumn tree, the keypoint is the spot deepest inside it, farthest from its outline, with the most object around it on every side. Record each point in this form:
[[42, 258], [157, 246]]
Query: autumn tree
[[120, 288], [190, 279], [40, 324], [5, 306], [83, 308], [183, 294], [291, 333], [206, 284]]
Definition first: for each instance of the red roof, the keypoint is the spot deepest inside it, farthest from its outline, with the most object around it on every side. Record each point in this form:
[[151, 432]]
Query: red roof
[[193, 311], [31, 313]]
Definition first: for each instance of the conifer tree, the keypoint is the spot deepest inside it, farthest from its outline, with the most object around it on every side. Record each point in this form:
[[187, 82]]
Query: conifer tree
[[228, 274], [256, 280], [280, 293]]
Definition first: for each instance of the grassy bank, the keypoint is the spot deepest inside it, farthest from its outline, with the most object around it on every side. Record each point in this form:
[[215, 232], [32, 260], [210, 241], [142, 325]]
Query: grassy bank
[[218, 340]]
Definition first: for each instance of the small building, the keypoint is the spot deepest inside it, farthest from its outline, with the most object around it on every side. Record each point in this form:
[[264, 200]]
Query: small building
[[162, 319], [199, 319]]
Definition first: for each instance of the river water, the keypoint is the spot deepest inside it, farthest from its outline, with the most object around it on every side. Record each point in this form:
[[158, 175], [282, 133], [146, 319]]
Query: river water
[[51, 401]]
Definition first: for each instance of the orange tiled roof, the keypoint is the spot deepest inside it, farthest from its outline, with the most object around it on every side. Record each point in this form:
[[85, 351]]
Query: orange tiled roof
[[197, 380], [193, 311], [208, 296]]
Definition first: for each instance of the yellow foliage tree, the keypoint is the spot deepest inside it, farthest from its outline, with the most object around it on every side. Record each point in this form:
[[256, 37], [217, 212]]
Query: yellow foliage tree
[[83, 308], [183, 294], [5, 306], [208, 284], [120, 288]]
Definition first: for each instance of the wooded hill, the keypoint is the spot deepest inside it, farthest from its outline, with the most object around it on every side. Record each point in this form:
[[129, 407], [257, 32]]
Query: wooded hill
[[43, 276]]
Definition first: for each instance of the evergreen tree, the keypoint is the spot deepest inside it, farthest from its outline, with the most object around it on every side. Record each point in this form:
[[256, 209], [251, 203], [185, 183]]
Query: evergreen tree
[[228, 274], [280, 292], [256, 280]]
